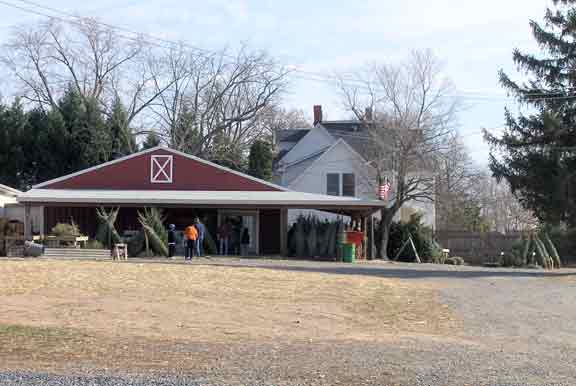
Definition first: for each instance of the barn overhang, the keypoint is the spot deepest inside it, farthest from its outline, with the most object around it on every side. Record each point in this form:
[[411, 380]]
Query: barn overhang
[[200, 199]]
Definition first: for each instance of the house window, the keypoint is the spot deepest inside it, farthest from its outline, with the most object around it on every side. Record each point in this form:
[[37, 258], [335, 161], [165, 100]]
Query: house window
[[341, 184], [333, 184], [348, 185]]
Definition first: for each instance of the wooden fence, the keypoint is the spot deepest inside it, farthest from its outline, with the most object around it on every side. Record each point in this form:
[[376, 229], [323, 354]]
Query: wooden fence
[[476, 247]]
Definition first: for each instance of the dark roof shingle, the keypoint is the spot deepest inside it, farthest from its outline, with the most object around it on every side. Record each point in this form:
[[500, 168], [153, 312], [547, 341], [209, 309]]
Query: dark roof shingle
[[292, 135]]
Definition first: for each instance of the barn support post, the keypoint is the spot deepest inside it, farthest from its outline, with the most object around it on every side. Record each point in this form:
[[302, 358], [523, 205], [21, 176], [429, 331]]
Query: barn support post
[[27, 222], [370, 231], [284, 232], [365, 238]]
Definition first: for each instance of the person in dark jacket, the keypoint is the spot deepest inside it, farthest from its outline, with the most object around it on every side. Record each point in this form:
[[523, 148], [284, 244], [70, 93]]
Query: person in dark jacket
[[224, 237], [244, 242], [171, 240], [201, 228]]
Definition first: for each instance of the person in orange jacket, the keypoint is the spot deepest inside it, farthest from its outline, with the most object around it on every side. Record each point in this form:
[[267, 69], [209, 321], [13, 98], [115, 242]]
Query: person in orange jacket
[[191, 234]]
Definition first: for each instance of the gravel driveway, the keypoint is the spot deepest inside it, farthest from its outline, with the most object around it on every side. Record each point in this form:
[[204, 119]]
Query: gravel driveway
[[518, 328]]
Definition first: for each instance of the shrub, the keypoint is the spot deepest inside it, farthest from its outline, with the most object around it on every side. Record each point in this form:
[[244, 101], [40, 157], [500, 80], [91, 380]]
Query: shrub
[[435, 252], [422, 236], [454, 260], [65, 229], [94, 244], [440, 259], [510, 260]]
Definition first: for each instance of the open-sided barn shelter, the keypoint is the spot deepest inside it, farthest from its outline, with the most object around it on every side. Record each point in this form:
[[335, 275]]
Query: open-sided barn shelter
[[184, 186]]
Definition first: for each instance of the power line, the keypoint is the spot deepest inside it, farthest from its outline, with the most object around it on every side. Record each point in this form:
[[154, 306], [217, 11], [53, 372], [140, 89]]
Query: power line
[[119, 28], [306, 75], [468, 134]]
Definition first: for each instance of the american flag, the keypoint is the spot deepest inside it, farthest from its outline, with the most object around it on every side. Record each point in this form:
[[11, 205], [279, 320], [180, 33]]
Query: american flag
[[383, 190]]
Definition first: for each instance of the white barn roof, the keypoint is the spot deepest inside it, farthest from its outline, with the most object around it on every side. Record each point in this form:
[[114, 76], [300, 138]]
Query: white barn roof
[[8, 191], [285, 199]]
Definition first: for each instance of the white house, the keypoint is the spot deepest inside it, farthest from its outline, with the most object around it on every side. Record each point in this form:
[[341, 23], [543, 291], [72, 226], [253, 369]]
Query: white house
[[12, 210], [7, 196], [328, 159]]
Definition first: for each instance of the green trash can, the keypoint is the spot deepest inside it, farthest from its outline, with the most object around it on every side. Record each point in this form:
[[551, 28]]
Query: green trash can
[[349, 252], [340, 242]]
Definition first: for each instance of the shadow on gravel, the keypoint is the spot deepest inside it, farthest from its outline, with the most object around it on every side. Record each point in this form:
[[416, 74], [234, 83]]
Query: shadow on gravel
[[405, 273], [400, 271]]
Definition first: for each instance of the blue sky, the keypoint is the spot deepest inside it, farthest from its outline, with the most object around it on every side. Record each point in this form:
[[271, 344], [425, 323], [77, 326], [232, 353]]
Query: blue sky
[[474, 39]]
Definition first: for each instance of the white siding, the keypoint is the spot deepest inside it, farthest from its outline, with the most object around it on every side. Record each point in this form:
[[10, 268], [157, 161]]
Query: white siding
[[316, 140], [4, 200], [294, 171], [16, 212], [338, 159]]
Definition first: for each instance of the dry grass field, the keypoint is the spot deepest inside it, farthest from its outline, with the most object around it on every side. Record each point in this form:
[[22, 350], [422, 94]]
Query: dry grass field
[[286, 323], [62, 315]]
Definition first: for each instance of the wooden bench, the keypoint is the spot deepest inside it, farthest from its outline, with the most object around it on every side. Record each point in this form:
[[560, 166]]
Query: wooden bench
[[57, 241]]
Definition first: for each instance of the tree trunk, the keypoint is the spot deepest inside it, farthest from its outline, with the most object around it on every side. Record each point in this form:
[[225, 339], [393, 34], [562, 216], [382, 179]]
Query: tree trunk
[[386, 217], [384, 235]]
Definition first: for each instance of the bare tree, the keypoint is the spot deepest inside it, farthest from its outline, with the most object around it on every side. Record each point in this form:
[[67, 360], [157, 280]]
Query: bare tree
[[409, 118], [275, 119], [200, 101], [49, 57], [215, 100], [456, 178], [500, 208]]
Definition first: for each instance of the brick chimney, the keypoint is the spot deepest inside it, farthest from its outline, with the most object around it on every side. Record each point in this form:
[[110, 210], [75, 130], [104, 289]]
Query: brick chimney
[[317, 114], [368, 114]]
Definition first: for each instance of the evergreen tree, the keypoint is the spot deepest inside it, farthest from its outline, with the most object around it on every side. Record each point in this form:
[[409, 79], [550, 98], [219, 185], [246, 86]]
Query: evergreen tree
[[79, 137], [536, 153], [39, 145], [260, 160], [184, 134], [152, 140], [223, 151], [121, 140], [13, 149]]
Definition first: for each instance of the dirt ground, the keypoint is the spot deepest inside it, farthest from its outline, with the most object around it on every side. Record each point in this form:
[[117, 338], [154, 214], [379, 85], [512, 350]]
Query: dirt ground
[[287, 323], [66, 315]]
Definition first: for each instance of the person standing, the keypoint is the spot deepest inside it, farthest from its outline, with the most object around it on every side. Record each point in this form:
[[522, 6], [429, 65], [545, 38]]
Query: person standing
[[191, 237], [171, 240], [224, 237], [236, 238], [244, 242], [201, 228]]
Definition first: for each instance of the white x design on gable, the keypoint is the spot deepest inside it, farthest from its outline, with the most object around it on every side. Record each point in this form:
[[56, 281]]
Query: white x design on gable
[[161, 168]]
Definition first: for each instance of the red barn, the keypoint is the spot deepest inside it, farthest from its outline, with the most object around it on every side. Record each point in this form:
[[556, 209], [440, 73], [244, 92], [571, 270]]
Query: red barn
[[185, 187]]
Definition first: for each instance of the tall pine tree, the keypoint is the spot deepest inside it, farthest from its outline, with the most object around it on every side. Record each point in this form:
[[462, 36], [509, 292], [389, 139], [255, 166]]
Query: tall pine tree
[[152, 140], [260, 160], [14, 146], [120, 139], [536, 153]]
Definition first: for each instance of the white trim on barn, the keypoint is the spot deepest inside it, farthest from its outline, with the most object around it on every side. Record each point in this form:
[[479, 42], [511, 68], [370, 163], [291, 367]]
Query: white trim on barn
[[8, 191], [195, 198], [161, 169]]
